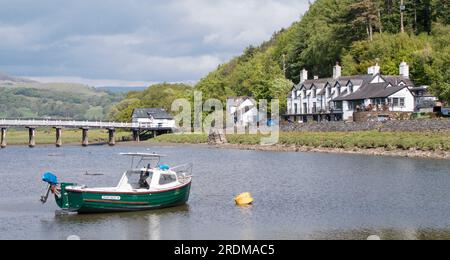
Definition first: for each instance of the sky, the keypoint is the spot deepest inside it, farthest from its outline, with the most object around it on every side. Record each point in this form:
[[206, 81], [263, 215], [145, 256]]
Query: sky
[[133, 42]]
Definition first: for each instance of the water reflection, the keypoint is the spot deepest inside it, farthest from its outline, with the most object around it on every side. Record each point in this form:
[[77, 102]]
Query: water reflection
[[148, 225]]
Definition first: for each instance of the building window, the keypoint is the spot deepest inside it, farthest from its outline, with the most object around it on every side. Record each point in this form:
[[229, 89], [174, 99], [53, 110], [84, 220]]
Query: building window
[[395, 102], [329, 91], [350, 105], [314, 93], [296, 108], [314, 107], [304, 93], [402, 102], [380, 101], [339, 91], [350, 88]]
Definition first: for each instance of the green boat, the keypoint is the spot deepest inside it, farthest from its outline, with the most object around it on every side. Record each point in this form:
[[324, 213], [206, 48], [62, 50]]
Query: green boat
[[141, 188]]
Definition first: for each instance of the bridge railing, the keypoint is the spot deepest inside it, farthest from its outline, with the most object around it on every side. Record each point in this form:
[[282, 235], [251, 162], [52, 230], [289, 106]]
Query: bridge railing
[[79, 124]]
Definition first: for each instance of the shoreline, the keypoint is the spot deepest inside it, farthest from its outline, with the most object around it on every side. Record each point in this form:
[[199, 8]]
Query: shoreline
[[411, 153]]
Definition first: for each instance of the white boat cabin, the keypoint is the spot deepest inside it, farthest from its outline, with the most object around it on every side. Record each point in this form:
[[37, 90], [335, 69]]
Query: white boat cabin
[[146, 178]]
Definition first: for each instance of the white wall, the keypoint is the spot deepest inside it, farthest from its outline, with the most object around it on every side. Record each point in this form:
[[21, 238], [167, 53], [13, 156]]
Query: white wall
[[251, 116], [409, 101], [347, 112], [165, 123]]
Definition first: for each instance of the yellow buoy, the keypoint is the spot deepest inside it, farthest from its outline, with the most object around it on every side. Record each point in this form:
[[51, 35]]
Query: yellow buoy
[[244, 199]]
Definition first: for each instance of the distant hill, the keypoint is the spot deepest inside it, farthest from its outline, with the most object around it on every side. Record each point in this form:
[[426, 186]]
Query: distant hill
[[6, 79], [121, 89], [23, 98]]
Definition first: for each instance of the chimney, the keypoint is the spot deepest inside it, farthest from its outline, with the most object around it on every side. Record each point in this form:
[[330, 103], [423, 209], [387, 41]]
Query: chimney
[[316, 77], [404, 70], [374, 70], [337, 71], [303, 76]]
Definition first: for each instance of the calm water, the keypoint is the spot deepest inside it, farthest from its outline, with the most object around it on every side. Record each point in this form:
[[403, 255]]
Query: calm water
[[298, 196]]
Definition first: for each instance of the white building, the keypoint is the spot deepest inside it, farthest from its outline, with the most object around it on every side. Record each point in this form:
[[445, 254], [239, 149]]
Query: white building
[[157, 118], [243, 110], [337, 98]]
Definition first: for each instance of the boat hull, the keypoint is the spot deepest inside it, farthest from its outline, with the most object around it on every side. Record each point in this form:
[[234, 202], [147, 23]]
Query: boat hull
[[86, 202]]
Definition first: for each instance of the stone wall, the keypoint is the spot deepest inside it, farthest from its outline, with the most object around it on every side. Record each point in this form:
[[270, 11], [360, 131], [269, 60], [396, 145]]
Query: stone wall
[[423, 125], [374, 116]]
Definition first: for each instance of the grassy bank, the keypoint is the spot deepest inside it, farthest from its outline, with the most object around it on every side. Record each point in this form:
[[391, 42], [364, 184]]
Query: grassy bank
[[47, 136], [335, 140]]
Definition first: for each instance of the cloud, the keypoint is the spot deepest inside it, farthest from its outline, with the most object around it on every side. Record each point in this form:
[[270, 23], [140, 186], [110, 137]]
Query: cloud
[[134, 40]]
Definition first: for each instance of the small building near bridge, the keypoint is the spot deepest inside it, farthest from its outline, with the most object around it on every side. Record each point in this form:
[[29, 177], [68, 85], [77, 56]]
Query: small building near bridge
[[157, 118]]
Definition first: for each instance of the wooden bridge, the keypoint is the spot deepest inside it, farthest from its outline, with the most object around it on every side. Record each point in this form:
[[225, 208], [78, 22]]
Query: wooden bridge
[[32, 124]]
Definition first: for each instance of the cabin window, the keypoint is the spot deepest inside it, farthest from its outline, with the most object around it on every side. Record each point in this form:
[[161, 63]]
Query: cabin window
[[167, 179], [137, 178]]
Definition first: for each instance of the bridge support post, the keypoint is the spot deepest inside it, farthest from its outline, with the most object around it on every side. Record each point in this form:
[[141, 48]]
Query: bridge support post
[[136, 135], [32, 136], [85, 136], [112, 136], [58, 142], [3, 137]]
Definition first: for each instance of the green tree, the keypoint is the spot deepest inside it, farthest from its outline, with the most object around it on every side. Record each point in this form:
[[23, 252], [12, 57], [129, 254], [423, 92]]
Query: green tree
[[156, 96], [94, 113], [365, 14]]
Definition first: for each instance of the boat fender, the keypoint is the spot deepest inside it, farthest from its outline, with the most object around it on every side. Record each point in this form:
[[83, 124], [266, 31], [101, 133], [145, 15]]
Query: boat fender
[[244, 199]]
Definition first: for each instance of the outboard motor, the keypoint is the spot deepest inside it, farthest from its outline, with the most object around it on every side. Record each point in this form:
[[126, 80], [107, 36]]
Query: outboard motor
[[52, 182]]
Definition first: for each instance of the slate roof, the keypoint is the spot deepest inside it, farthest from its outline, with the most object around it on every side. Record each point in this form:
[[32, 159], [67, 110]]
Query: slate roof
[[375, 90], [322, 92], [395, 80], [366, 90], [156, 113]]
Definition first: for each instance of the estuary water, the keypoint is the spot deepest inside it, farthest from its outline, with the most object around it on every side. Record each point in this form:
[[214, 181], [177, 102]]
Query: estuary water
[[297, 195]]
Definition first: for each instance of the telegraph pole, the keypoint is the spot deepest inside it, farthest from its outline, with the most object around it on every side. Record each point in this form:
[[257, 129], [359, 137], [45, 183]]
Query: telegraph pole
[[402, 16]]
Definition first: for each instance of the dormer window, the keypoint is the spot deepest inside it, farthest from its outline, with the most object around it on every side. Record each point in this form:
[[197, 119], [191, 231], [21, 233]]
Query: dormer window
[[314, 93], [329, 91], [339, 90], [304, 93], [350, 88]]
